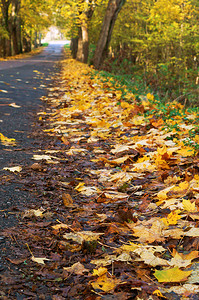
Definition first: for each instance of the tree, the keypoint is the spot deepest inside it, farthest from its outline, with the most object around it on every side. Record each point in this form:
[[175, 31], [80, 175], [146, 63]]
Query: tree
[[113, 8], [20, 22], [16, 27], [6, 41]]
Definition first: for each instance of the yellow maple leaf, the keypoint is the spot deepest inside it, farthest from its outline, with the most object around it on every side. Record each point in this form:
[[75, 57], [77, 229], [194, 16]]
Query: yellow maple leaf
[[171, 275], [128, 248], [105, 283], [187, 151], [188, 205], [182, 188], [150, 96], [139, 120], [6, 141], [162, 195], [171, 219], [99, 272], [159, 294]]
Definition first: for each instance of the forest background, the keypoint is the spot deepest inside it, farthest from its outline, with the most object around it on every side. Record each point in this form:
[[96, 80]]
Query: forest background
[[148, 45]]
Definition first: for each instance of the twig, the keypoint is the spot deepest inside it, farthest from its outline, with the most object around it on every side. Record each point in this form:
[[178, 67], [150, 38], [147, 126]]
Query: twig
[[29, 249], [107, 246]]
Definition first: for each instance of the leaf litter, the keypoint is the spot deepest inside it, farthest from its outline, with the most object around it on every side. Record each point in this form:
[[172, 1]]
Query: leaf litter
[[118, 189]]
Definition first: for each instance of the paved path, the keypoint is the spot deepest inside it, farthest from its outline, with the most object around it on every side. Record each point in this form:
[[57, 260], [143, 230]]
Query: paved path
[[22, 82]]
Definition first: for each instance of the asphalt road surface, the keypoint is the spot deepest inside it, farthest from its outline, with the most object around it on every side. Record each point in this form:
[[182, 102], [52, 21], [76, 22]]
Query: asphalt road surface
[[22, 82]]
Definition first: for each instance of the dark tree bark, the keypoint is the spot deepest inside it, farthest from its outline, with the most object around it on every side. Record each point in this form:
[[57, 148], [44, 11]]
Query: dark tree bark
[[26, 43], [11, 21], [16, 27], [113, 8], [74, 47], [6, 41], [83, 44], [83, 37]]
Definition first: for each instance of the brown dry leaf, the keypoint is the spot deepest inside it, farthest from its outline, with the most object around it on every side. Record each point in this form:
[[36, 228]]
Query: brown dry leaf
[[81, 236], [150, 235], [104, 261], [67, 200], [116, 161], [175, 233], [182, 260], [65, 140], [185, 289], [77, 268], [33, 213], [17, 261], [152, 260], [115, 195], [36, 167], [60, 226], [105, 283], [87, 190], [194, 232]]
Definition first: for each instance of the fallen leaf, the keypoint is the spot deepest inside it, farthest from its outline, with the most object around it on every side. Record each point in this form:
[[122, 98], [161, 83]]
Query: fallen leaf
[[13, 169], [7, 141], [182, 261], [60, 226], [81, 236], [150, 235], [48, 158], [104, 283], [188, 205], [32, 213], [171, 275], [67, 200], [194, 232], [77, 268], [39, 260], [99, 272], [185, 289], [86, 190], [14, 105], [150, 259]]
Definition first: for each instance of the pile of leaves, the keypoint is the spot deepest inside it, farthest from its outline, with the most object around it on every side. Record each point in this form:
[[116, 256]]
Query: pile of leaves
[[117, 183]]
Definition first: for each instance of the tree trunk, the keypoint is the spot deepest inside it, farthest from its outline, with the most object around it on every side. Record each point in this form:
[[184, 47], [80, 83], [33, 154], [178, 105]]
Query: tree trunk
[[83, 39], [35, 40], [113, 8], [6, 41], [16, 27], [74, 47], [39, 39], [83, 44]]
